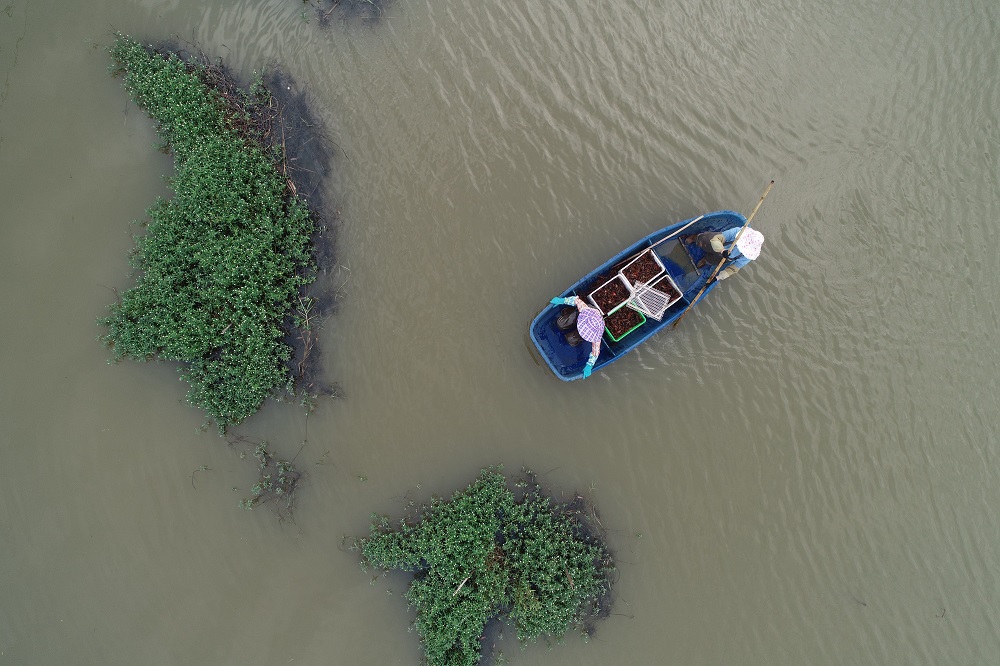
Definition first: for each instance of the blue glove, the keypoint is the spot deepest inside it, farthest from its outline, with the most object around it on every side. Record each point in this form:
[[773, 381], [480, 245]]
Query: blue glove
[[556, 301], [570, 300], [587, 369]]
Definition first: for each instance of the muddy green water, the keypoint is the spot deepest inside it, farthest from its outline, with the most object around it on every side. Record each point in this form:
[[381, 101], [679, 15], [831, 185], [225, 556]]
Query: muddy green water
[[805, 472]]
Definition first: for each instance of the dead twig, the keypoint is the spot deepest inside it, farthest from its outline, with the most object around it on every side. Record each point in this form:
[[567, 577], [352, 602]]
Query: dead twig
[[327, 13], [203, 468], [460, 586]]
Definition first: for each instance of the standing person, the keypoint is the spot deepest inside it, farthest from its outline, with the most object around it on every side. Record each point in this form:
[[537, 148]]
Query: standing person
[[719, 245], [590, 325]]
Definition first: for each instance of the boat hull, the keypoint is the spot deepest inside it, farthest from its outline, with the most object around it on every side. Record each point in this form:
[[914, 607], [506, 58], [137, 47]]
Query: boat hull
[[566, 361]]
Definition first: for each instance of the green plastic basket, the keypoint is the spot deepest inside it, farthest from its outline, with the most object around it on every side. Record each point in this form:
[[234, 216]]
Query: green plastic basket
[[642, 320]]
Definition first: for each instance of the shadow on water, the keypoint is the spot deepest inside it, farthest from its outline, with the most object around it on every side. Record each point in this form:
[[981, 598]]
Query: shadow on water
[[308, 152]]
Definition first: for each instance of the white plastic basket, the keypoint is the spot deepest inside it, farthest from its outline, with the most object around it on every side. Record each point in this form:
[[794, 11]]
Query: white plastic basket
[[631, 293], [650, 280], [652, 302]]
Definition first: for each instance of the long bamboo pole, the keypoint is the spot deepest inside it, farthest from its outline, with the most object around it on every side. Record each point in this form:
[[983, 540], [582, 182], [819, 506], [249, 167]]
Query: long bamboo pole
[[719, 267], [669, 236], [617, 267]]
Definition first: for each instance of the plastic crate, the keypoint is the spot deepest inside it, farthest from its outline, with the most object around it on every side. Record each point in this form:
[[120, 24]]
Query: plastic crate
[[678, 292], [638, 257], [628, 287], [650, 302], [642, 320]]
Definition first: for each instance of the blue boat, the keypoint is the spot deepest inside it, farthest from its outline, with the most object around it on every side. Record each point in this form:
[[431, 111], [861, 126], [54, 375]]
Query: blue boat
[[556, 341]]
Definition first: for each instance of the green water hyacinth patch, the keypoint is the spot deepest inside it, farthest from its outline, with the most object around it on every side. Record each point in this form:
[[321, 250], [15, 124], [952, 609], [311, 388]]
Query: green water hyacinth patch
[[488, 552], [222, 260]]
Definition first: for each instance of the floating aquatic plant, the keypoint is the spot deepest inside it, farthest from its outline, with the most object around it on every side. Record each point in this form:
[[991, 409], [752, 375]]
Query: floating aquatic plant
[[222, 261], [484, 554], [276, 483]]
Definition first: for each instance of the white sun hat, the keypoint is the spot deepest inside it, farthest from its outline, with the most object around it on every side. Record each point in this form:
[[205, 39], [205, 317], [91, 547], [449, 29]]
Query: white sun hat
[[749, 243]]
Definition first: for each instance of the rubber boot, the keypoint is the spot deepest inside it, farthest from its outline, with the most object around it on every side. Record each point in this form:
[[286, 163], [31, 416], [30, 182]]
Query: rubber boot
[[567, 319]]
